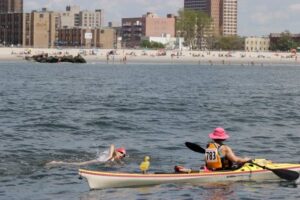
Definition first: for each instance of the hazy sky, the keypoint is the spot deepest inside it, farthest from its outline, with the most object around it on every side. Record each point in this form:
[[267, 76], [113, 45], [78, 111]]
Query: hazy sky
[[255, 17]]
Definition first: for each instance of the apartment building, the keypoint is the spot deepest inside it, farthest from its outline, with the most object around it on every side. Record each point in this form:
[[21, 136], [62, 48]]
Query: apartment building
[[223, 13], [11, 21], [11, 6], [229, 17], [11, 29], [274, 37], [200, 5], [149, 25], [214, 11], [90, 19], [84, 37], [257, 44], [40, 29], [69, 18], [74, 17]]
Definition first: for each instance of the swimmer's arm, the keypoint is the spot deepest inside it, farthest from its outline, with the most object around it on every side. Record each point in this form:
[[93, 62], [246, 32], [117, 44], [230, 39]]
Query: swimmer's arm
[[85, 162], [111, 152], [73, 163]]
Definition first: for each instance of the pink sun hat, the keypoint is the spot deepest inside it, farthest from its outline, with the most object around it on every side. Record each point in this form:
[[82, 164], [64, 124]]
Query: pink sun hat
[[219, 133]]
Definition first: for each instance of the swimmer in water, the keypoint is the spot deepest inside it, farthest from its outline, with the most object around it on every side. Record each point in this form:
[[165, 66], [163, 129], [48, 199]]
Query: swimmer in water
[[108, 156]]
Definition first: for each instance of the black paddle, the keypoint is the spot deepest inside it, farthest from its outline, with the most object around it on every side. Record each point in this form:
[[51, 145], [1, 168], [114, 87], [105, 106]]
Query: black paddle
[[195, 147], [282, 173]]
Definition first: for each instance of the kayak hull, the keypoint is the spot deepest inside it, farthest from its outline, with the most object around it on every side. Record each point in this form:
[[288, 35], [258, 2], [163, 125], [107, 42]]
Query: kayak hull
[[249, 172]]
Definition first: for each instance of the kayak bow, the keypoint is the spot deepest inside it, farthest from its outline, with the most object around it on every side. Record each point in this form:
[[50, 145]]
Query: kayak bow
[[249, 172]]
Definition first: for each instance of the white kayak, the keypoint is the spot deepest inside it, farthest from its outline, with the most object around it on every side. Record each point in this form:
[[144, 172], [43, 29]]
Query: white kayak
[[255, 171]]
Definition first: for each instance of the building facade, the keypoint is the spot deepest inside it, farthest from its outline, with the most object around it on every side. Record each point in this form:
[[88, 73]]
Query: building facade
[[229, 17], [11, 22], [11, 6], [149, 25], [40, 29], [274, 37], [257, 44], [214, 11], [200, 5], [222, 12], [74, 17], [69, 18], [156, 26], [81, 37], [90, 19], [11, 29]]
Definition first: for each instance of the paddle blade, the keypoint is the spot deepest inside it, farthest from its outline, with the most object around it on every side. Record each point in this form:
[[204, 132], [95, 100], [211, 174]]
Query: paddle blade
[[195, 147], [281, 173], [286, 174]]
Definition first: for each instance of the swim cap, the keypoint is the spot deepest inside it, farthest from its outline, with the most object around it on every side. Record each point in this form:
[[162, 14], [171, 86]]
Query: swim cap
[[121, 150]]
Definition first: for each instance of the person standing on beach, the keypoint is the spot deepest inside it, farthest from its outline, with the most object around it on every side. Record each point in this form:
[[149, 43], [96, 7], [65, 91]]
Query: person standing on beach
[[107, 58]]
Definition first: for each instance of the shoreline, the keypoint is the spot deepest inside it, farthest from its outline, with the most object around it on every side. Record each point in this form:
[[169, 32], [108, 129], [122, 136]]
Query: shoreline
[[127, 56]]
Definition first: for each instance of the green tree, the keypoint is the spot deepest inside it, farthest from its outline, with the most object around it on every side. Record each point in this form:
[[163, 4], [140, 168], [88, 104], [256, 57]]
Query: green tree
[[228, 43], [193, 26], [152, 44], [284, 43], [157, 45], [146, 44], [203, 28]]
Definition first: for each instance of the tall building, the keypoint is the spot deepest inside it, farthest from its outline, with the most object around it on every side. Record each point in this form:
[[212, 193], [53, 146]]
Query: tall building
[[74, 17], [201, 5], [133, 29], [11, 6], [40, 29], [90, 19], [69, 18], [11, 21], [214, 11], [229, 17], [11, 29], [223, 13]]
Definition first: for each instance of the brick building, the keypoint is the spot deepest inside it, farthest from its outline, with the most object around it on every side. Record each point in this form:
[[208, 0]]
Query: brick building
[[149, 25]]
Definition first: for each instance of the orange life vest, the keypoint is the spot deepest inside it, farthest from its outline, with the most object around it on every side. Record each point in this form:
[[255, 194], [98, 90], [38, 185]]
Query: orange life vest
[[212, 157]]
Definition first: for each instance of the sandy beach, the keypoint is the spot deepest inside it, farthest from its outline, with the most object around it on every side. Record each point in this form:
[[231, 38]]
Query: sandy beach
[[158, 56]]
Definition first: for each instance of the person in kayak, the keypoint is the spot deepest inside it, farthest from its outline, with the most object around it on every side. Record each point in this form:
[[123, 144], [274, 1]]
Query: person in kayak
[[219, 156], [114, 154]]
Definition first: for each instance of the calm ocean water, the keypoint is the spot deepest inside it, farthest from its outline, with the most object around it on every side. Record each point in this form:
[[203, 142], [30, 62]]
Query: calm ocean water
[[72, 112]]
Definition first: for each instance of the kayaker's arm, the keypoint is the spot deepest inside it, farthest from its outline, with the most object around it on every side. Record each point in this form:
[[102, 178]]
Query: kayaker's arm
[[232, 157]]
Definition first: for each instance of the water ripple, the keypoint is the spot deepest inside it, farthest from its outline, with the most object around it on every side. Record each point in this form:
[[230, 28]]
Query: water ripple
[[73, 112]]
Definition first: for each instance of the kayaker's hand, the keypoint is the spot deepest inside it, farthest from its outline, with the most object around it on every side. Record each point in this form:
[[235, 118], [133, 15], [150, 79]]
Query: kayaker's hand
[[247, 159]]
